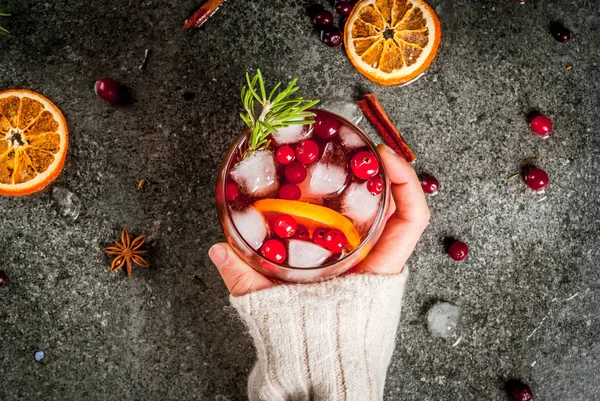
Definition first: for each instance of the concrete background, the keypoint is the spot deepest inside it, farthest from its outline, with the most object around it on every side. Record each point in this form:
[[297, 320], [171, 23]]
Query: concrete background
[[168, 333]]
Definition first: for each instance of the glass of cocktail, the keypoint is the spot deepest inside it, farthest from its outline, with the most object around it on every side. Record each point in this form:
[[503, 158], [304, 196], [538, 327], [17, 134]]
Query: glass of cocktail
[[302, 194]]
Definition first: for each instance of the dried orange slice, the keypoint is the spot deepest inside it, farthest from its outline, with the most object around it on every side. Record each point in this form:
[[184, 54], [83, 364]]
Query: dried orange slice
[[392, 41], [33, 142], [311, 216]]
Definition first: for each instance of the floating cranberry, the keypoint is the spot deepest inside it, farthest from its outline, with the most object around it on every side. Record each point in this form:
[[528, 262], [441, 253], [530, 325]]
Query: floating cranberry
[[301, 233], [284, 155], [522, 392], [335, 240], [343, 8], [541, 125], [319, 236], [326, 126], [458, 251], [232, 192], [290, 192], [332, 36], [273, 250], [537, 179], [364, 165], [107, 89], [375, 185], [3, 278], [430, 185], [295, 172], [307, 151], [285, 226], [323, 19], [560, 32]]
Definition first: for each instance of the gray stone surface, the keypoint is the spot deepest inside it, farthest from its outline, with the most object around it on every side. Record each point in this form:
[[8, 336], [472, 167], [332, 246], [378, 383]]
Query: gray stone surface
[[528, 291]]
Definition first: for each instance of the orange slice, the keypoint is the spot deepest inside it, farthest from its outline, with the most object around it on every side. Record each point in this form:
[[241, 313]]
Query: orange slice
[[311, 216], [33, 142], [392, 41]]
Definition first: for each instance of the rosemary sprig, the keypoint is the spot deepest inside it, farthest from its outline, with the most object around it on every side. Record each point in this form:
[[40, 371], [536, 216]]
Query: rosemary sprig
[[4, 13], [266, 114]]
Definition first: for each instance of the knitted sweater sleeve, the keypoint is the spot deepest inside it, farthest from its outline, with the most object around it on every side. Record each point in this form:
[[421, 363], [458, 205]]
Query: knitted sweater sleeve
[[326, 341]]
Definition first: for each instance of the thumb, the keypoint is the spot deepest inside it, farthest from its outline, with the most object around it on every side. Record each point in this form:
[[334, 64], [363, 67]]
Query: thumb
[[239, 277]]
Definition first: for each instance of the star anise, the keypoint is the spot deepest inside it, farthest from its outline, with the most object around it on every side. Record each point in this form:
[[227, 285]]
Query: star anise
[[126, 252]]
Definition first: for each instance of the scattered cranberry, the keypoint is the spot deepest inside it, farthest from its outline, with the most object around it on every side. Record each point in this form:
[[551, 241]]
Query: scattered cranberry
[[430, 185], [541, 125], [285, 226], [107, 89], [301, 233], [458, 251], [295, 172], [332, 36], [232, 192], [375, 185], [364, 165], [343, 8], [335, 240], [319, 236], [326, 126], [323, 18], [559, 32], [3, 278], [273, 250], [522, 392], [307, 151], [290, 192], [537, 179], [284, 155]]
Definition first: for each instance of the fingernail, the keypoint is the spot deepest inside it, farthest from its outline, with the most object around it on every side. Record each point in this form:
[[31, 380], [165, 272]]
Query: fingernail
[[387, 148], [218, 254]]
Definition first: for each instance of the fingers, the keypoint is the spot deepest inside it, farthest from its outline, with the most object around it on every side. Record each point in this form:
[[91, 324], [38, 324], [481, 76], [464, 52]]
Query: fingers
[[405, 226], [239, 278]]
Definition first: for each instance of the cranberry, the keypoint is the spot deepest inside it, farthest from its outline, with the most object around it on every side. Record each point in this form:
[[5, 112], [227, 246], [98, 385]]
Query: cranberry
[[458, 251], [335, 240], [364, 165], [522, 392], [319, 236], [323, 18], [332, 36], [3, 278], [307, 151], [375, 185], [559, 32], [284, 155], [107, 89], [343, 8], [326, 126], [295, 172], [301, 233], [232, 192], [290, 192], [273, 250], [541, 125], [536, 179], [430, 185], [285, 226]]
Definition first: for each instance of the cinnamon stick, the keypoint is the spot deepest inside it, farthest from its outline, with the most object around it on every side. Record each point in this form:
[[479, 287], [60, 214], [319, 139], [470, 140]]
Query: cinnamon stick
[[377, 115], [202, 14]]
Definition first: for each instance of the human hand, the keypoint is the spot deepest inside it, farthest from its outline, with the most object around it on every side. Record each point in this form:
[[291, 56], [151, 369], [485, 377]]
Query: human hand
[[409, 215]]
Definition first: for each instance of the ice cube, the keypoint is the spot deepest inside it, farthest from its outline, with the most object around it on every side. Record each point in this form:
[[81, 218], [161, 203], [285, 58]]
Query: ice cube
[[344, 108], [68, 204], [306, 254], [443, 320], [257, 174], [360, 206], [292, 134], [323, 179], [350, 139], [251, 225]]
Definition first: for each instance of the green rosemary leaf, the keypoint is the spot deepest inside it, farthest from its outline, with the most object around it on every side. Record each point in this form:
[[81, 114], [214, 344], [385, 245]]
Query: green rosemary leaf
[[261, 82], [4, 31], [274, 90]]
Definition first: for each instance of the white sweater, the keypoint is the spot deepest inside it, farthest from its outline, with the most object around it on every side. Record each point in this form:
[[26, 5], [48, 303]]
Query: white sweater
[[322, 342]]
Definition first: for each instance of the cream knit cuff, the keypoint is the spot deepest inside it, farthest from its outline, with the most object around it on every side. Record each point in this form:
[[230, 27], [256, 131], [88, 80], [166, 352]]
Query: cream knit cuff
[[325, 341]]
